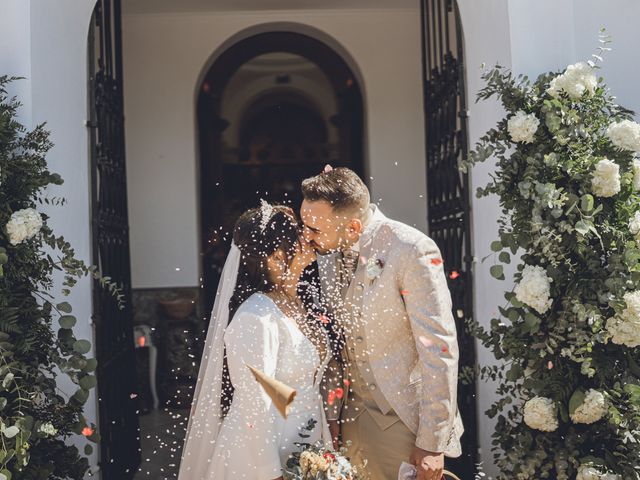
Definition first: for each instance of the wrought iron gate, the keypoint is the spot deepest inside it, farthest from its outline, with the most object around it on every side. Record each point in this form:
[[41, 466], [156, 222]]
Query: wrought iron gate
[[448, 190], [119, 454]]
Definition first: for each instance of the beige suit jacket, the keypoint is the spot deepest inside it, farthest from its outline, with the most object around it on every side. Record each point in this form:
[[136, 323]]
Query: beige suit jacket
[[410, 340]]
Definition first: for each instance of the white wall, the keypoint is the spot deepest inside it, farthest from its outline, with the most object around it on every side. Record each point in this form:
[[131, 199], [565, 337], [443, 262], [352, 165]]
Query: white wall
[[165, 56], [47, 43], [621, 66], [15, 60], [479, 18]]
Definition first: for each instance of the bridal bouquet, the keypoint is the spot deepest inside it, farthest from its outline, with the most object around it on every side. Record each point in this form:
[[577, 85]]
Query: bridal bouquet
[[315, 462]]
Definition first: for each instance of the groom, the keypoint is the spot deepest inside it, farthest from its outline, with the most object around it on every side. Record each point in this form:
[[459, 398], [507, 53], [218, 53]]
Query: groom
[[384, 284]]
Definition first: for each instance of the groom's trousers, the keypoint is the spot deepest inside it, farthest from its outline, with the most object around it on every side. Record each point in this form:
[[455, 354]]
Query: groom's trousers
[[380, 439]]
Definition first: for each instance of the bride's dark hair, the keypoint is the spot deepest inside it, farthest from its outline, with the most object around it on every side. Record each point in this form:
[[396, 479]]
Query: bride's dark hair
[[258, 234]]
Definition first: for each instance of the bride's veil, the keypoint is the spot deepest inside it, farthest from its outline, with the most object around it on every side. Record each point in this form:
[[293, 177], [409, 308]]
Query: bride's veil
[[206, 411]]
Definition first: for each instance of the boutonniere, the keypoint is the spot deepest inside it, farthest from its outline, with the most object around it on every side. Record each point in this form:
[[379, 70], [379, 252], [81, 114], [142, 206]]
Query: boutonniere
[[374, 268]]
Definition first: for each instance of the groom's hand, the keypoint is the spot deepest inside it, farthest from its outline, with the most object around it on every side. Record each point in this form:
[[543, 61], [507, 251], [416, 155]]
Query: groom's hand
[[430, 465]]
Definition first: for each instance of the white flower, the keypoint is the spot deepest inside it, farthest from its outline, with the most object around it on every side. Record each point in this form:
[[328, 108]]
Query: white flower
[[606, 179], [587, 472], [634, 224], [592, 409], [48, 429], [374, 268], [23, 225], [636, 173], [540, 414], [576, 80], [625, 135], [534, 289], [522, 127], [625, 328]]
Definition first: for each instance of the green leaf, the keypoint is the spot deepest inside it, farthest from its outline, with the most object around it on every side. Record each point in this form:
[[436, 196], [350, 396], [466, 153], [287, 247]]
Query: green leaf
[[11, 432], [496, 246], [586, 203], [82, 346], [92, 364], [497, 272], [582, 227], [81, 396], [64, 307], [67, 321], [514, 373], [531, 322], [504, 257], [576, 400], [88, 382]]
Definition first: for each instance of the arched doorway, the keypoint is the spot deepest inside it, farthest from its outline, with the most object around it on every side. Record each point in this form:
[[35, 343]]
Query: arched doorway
[[272, 109], [448, 195]]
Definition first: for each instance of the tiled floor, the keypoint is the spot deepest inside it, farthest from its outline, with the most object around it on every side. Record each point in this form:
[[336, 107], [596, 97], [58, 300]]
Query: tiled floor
[[161, 438]]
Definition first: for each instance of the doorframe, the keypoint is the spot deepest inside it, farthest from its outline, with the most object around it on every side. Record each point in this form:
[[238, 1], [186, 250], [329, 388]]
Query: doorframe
[[448, 191]]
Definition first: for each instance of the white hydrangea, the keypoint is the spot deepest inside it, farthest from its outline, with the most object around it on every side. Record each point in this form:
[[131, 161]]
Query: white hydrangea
[[540, 414], [592, 409], [636, 173], [535, 288], [522, 127], [625, 328], [625, 134], [23, 225], [48, 429], [606, 179], [634, 224], [587, 472], [575, 81]]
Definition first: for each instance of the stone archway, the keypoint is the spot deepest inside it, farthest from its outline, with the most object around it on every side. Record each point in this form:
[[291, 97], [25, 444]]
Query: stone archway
[[221, 197]]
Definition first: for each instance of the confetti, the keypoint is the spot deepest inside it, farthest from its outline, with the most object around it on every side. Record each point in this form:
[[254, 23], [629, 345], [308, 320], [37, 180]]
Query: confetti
[[436, 261], [444, 348], [404, 293], [133, 395], [453, 275], [346, 382], [550, 365], [332, 397], [87, 431], [324, 319], [339, 392]]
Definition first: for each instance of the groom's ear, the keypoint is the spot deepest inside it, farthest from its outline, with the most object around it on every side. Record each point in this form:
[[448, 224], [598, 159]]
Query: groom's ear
[[356, 226]]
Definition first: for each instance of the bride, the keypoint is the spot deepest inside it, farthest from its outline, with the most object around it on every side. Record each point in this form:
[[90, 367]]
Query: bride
[[234, 431]]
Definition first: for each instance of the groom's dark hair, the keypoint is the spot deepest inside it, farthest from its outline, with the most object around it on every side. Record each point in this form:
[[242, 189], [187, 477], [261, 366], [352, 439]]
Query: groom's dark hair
[[341, 187]]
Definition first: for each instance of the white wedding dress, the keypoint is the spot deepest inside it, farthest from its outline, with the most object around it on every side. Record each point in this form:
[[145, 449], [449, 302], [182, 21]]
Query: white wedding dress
[[254, 441]]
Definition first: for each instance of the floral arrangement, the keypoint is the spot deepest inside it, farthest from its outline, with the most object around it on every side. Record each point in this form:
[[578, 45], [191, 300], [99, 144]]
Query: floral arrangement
[[37, 342], [568, 180], [315, 462]]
